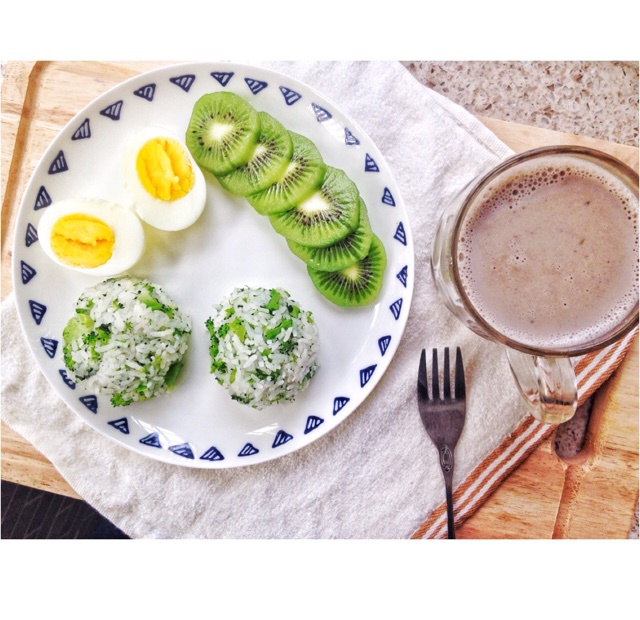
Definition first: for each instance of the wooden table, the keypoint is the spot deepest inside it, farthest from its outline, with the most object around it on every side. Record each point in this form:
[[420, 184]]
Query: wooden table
[[593, 495]]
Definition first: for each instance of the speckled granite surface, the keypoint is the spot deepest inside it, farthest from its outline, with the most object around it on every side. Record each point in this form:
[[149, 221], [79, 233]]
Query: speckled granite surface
[[595, 99]]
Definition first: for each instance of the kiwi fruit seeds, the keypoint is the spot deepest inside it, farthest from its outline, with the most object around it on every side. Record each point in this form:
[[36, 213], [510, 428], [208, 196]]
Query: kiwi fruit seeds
[[222, 132], [356, 285], [339, 255], [327, 216], [268, 162], [304, 174]]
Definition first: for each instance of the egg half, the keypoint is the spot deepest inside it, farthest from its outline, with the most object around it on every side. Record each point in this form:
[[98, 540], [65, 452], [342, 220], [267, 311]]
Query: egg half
[[167, 187], [91, 236]]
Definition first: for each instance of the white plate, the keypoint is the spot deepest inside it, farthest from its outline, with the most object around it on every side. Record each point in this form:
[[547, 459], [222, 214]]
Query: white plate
[[198, 425]]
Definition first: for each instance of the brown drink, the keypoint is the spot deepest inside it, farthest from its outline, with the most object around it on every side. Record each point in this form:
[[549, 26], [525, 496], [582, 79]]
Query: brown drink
[[547, 255]]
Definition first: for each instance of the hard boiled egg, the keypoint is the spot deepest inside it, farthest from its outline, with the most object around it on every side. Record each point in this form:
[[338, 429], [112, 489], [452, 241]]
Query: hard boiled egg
[[91, 236], [166, 185]]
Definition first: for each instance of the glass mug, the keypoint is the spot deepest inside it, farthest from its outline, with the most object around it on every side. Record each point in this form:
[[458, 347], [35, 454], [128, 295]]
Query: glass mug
[[540, 254]]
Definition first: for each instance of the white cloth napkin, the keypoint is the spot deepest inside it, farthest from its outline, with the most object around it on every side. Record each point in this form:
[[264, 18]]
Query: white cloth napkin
[[377, 474]]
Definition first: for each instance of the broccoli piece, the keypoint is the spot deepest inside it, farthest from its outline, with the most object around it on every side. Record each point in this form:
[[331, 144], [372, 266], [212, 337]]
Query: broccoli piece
[[151, 302], [272, 333], [274, 300], [118, 400], [171, 378]]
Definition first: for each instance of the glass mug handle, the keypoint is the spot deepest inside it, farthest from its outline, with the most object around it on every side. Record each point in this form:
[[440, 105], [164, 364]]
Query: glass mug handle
[[548, 385]]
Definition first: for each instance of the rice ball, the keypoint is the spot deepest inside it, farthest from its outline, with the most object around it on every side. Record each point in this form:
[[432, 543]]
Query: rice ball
[[263, 346], [127, 340]]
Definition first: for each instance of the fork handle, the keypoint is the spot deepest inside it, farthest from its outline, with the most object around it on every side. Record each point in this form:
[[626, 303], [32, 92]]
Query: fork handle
[[451, 528], [446, 464]]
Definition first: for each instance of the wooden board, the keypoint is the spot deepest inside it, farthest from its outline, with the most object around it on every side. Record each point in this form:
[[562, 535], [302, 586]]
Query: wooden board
[[592, 496]]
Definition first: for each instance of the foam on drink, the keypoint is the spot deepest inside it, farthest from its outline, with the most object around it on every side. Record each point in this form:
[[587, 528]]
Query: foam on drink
[[548, 254]]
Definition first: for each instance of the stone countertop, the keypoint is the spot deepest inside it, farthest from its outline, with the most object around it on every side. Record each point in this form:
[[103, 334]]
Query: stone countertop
[[594, 99]]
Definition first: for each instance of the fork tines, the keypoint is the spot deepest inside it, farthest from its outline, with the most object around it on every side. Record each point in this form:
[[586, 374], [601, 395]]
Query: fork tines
[[459, 384]]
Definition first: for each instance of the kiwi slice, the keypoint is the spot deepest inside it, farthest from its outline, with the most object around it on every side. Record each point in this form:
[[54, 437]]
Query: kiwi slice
[[356, 285], [354, 247], [328, 215], [267, 163], [222, 132], [303, 176]]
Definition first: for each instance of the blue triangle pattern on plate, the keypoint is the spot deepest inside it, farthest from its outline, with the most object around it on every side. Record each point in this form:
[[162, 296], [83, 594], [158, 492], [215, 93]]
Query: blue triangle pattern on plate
[[281, 438], [402, 275], [83, 132], [248, 450], [387, 197], [185, 82], [212, 454], [313, 421], [383, 344], [182, 449], [366, 374], [396, 307], [370, 164], [42, 199], [67, 380], [222, 77], [90, 402], [37, 311], [400, 234], [50, 346], [152, 440], [349, 138], [122, 424], [146, 92], [31, 235], [321, 114], [59, 164], [290, 96], [113, 111], [339, 402], [27, 272], [255, 86]]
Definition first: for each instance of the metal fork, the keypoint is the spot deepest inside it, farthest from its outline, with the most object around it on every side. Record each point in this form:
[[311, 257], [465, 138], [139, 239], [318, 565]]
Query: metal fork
[[443, 418]]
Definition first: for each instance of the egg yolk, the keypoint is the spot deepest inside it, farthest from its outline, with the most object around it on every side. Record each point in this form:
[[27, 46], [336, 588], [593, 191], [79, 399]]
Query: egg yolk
[[82, 240], [164, 169]]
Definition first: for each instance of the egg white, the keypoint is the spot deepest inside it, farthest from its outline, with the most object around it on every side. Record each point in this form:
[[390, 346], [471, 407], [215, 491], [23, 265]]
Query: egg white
[[129, 234], [169, 216]]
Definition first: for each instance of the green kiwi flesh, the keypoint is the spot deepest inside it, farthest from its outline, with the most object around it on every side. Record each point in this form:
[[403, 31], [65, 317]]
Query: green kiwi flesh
[[317, 208], [303, 175], [222, 132], [354, 247], [356, 285], [268, 162], [328, 215]]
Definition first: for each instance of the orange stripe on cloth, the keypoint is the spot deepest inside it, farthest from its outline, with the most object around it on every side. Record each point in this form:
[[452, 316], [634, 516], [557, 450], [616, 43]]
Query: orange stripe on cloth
[[591, 371], [599, 366]]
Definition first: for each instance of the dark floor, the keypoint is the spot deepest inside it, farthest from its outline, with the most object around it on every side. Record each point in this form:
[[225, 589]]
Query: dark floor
[[29, 513]]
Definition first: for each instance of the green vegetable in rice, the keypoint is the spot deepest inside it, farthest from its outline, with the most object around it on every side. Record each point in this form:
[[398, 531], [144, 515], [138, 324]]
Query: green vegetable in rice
[[263, 346], [127, 339]]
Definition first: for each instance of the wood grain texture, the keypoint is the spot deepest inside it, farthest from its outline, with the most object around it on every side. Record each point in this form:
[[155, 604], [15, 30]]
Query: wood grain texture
[[593, 496], [610, 455]]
